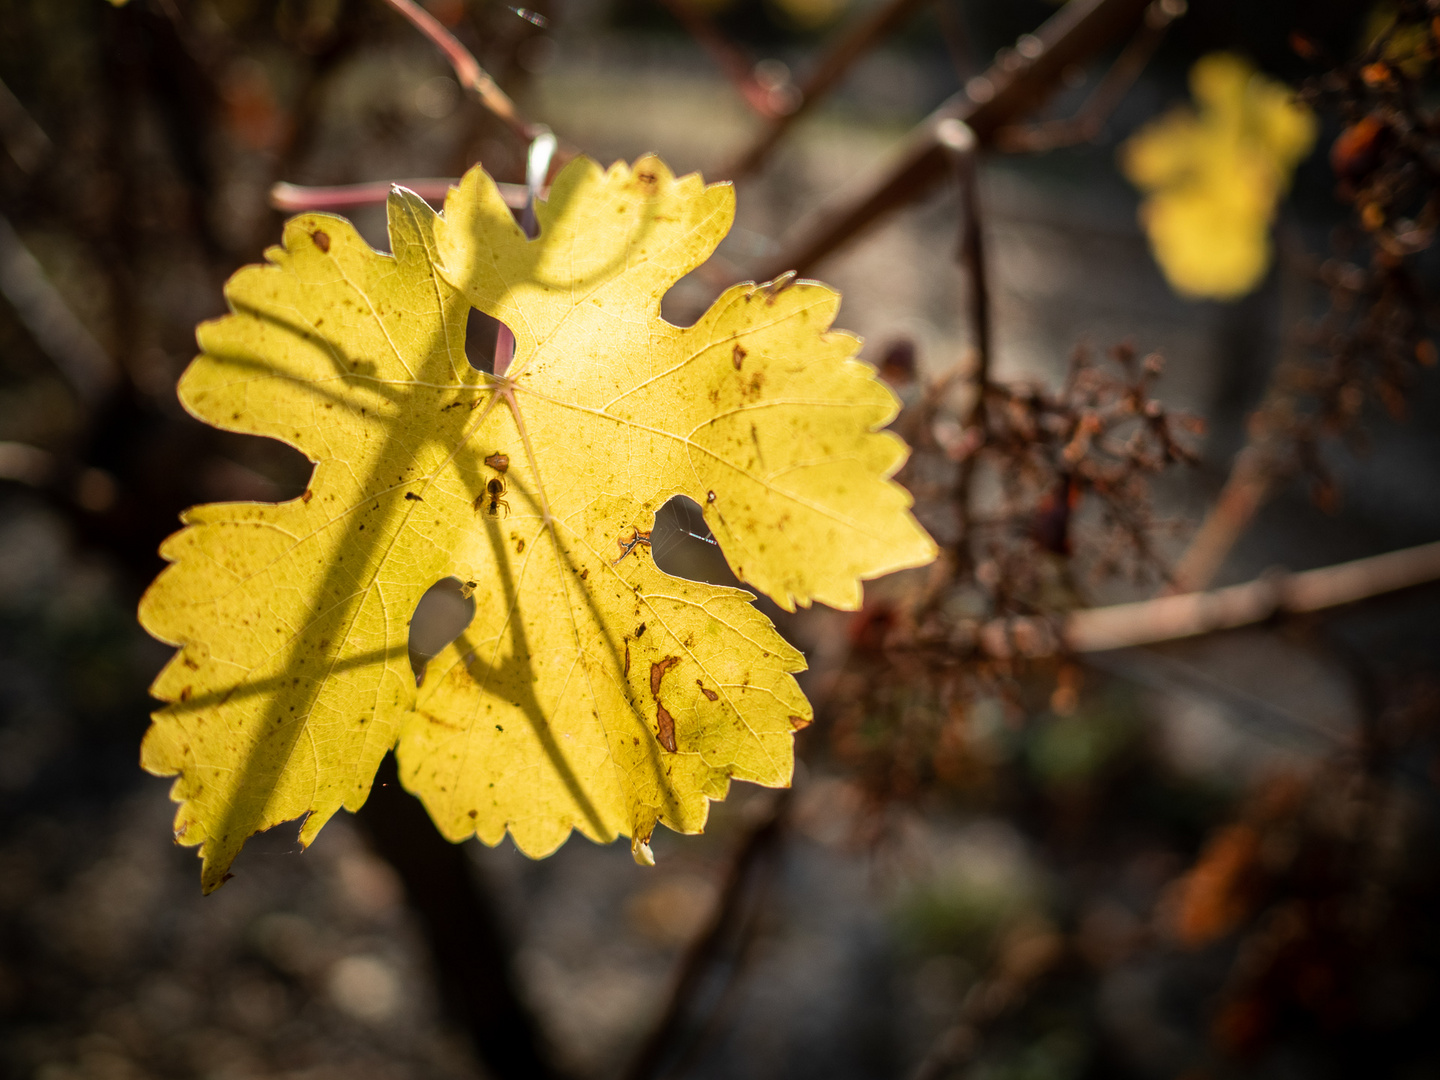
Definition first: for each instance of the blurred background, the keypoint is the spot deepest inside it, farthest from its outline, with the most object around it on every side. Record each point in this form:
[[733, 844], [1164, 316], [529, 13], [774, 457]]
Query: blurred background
[[1206, 858]]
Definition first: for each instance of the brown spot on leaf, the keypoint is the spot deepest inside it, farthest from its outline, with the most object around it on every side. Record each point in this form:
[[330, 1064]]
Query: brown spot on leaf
[[664, 721], [432, 718], [710, 496], [307, 496], [474, 814], [627, 659], [657, 672], [666, 725], [413, 497], [498, 461], [738, 355], [185, 694], [322, 240], [710, 694], [629, 539], [639, 630], [799, 722], [191, 664], [519, 545]]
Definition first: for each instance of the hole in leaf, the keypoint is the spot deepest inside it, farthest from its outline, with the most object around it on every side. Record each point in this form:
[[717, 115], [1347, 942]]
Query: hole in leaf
[[489, 344], [251, 467], [480, 333], [440, 617], [683, 546]]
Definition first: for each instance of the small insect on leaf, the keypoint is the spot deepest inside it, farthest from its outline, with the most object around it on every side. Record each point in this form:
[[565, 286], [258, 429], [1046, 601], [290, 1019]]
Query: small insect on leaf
[[591, 691], [493, 500]]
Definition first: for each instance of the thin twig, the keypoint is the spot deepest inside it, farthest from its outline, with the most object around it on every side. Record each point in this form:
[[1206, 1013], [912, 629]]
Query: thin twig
[[316, 75], [860, 37], [84, 363], [26, 464], [470, 948], [728, 57], [467, 69], [1085, 125], [1012, 88], [711, 947], [1246, 490], [25, 140], [1004, 989], [1172, 618], [957, 39], [1266, 461], [959, 140]]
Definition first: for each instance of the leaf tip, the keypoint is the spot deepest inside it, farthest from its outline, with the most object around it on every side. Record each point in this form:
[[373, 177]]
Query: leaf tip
[[214, 871], [641, 853]]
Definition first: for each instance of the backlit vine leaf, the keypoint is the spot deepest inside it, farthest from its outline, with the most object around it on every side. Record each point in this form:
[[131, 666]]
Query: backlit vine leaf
[[591, 690], [1214, 175]]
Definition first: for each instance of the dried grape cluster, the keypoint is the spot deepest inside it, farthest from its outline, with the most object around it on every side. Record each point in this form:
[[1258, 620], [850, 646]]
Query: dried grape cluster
[[1375, 334], [1047, 492], [1080, 458]]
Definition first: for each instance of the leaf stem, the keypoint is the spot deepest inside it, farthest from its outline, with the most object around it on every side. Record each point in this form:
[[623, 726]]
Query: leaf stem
[[296, 198], [467, 69]]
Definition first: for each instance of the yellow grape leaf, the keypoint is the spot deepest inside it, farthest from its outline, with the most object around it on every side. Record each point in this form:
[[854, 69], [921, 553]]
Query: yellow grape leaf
[[1214, 175], [591, 691]]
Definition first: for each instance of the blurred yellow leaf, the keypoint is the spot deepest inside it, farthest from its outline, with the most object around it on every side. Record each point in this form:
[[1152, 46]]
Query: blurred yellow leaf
[[1409, 47], [1213, 176], [591, 690]]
